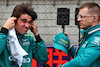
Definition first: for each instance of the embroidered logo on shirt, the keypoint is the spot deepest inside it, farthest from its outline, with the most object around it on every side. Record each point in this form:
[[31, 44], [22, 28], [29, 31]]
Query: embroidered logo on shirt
[[84, 45], [26, 43], [96, 41], [24, 39]]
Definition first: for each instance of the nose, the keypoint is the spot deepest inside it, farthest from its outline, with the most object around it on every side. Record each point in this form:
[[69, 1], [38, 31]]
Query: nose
[[79, 19], [27, 25]]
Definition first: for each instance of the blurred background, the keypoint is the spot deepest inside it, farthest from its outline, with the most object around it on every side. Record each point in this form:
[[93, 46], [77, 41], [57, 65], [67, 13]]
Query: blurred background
[[54, 16]]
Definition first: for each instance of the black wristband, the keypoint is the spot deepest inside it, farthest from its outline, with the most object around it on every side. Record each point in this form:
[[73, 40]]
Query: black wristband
[[4, 30], [38, 38]]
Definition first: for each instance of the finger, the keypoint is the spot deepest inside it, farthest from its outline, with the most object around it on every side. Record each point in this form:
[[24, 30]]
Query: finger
[[13, 18], [12, 22], [66, 35], [33, 22]]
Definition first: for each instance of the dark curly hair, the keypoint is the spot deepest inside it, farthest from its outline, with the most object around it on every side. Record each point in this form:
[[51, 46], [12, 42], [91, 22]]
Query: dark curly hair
[[24, 9]]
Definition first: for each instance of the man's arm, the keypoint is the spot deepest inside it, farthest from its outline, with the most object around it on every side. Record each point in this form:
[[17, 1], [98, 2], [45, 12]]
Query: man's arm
[[86, 57], [40, 50], [3, 38]]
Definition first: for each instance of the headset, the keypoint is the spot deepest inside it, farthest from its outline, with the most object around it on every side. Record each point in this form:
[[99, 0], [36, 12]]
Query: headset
[[94, 18]]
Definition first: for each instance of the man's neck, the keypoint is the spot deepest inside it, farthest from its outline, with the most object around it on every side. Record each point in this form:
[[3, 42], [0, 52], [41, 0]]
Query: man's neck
[[17, 33]]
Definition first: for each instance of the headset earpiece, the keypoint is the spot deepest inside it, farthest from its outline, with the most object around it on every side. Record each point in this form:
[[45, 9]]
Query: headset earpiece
[[94, 17]]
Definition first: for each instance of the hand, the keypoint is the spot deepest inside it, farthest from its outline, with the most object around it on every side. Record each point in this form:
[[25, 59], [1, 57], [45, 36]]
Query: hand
[[10, 23], [34, 28], [68, 37]]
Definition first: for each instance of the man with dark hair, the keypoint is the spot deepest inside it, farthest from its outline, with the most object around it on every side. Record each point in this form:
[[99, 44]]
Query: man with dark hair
[[88, 52], [17, 47]]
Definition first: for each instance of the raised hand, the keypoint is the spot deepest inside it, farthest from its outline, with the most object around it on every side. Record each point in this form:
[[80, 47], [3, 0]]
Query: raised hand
[[10, 23], [34, 28]]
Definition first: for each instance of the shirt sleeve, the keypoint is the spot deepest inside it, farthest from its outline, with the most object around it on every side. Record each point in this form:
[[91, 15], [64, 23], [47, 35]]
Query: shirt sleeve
[[72, 51], [40, 53], [86, 57], [38, 38], [3, 39], [4, 30]]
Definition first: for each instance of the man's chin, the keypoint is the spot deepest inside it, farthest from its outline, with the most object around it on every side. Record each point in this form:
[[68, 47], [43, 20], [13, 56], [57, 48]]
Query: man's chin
[[82, 27], [23, 33]]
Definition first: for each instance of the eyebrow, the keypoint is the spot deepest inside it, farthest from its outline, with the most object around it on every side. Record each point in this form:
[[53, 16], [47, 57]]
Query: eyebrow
[[28, 21]]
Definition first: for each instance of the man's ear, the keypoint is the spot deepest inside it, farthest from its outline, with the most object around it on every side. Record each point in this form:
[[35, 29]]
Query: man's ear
[[95, 17]]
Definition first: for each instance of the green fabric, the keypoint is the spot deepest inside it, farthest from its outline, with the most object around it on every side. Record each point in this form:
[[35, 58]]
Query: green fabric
[[36, 50], [89, 51]]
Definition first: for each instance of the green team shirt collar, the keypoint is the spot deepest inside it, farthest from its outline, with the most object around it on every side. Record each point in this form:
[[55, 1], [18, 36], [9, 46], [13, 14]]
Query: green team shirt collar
[[91, 30]]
